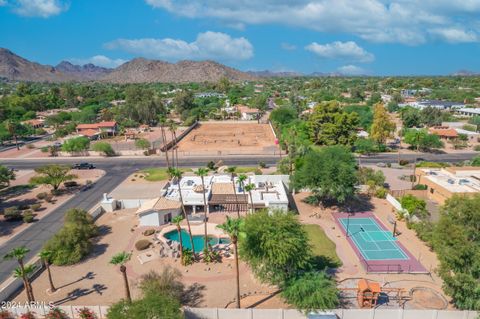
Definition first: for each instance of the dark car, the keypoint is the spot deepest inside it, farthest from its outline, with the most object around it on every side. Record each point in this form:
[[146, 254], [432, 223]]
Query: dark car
[[83, 166]]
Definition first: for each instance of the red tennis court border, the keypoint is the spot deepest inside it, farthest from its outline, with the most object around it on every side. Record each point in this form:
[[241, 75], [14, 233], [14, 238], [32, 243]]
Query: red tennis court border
[[412, 265]]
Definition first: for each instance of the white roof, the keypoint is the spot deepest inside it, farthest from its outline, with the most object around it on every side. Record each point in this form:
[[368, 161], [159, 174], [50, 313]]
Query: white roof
[[469, 110], [465, 181]]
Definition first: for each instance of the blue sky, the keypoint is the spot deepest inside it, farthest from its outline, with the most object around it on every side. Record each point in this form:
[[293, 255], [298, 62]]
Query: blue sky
[[377, 37]]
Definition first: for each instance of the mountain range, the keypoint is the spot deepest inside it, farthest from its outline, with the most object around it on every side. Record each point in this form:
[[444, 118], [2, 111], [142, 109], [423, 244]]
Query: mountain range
[[139, 70]]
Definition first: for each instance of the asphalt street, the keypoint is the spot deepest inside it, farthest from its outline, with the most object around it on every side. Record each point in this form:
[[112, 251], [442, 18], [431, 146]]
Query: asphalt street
[[117, 169]]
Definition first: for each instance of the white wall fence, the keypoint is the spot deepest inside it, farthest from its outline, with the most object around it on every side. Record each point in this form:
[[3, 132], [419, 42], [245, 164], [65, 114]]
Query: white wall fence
[[221, 313]]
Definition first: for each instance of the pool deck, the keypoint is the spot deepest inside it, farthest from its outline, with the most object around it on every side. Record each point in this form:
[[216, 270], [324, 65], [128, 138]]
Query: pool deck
[[411, 265]]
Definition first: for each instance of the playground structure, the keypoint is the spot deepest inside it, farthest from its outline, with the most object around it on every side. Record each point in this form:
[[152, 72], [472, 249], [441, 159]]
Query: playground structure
[[368, 294]]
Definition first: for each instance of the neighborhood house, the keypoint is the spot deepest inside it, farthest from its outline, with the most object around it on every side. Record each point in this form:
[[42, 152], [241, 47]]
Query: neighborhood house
[[95, 130]]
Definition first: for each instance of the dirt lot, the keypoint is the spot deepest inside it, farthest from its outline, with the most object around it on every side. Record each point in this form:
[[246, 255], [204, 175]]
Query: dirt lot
[[229, 138]]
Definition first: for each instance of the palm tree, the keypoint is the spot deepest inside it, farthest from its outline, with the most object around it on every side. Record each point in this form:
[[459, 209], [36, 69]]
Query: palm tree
[[249, 188], [177, 220], [121, 259], [241, 181], [12, 129], [164, 137], [25, 272], [202, 172], [19, 254], [176, 173], [231, 170], [173, 128], [233, 228], [46, 256]]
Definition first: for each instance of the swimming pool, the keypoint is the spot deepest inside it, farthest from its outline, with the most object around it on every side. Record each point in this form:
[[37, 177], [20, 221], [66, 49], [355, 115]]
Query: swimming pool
[[198, 240]]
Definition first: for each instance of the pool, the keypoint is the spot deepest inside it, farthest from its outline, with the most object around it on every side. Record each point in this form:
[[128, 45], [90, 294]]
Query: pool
[[198, 240]]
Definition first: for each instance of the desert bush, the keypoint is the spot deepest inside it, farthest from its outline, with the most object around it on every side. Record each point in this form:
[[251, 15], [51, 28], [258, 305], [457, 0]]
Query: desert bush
[[86, 313], [70, 184], [142, 244], [5, 314], [36, 207], [49, 198], [403, 162], [420, 187], [56, 313], [187, 258], [28, 315], [312, 200], [24, 206], [381, 192], [103, 147], [149, 232], [262, 164], [28, 216], [42, 195], [477, 148], [12, 213]]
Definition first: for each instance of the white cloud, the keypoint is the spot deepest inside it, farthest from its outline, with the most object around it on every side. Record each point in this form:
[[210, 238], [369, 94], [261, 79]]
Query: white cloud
[[208, 45], [351, 70], [99, 60], [341, 50], [456, 35], [38, 8], [288, 46], [395, 21]]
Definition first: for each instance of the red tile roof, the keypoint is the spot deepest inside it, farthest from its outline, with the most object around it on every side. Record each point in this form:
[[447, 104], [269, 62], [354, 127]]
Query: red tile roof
[[443, 131], [89, 133], [96, 125]]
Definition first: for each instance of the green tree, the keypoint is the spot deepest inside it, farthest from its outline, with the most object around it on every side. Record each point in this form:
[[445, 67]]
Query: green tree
[[73, 242], [415, 206], [421, 140], [330, 125], [19, 255], [329, 172], [46, 257], [275, 246], [142, 143], [151, 306], [311, 291], [233, 228], [283, 115], [6, 175], [121, 259], [476, 161], [12, 128], [184, 103], [202, 172], [365, 146], [411, 117], [53, 175], [76, 144], [382, 126], [103, 147]]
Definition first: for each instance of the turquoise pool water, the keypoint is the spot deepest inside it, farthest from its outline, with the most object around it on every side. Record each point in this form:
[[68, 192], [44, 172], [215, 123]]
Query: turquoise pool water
[[198, 240]]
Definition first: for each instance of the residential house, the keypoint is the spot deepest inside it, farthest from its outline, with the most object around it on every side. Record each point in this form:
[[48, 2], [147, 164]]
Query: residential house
[[247, 113], [35, 123], [444, 132], [97, 129], [468, 112], [158, 211]]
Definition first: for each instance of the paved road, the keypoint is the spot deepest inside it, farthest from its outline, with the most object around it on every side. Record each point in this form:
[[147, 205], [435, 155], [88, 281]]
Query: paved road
[[119, 168]]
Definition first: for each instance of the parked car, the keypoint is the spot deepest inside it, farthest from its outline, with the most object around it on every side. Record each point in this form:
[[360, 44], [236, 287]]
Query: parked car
[[381, 164], [83, 166]]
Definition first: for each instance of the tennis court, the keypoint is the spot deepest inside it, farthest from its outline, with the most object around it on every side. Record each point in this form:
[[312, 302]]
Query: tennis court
[[373, 241]]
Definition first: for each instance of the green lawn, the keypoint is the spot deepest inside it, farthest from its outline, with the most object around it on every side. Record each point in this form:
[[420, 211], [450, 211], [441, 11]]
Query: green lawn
[[323, 248], [246, 169], [157, 174]]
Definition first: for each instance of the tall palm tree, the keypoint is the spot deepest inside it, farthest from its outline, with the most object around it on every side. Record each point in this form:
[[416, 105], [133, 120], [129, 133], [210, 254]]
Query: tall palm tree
[[19, 254], [233, 228], [202, 172], [177, 220], [231, 170], [164, 137], [173, 128], [249, 188], [241, 181], [11, 127], [176, 173], [46, 256], [25, 273], [121, 259]]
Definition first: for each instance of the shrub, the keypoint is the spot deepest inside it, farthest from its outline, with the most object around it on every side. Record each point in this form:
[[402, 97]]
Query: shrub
[[30, 146], [49, 198], [86, 313], [42, 195], [262, 164], [313, 200], [142, 143], [477, 148], [5, 314], [420, 187], [187, 258], [432, 164], [27, 315], [381, 192], [40, 131], [70, 184], [258, 171], [142, 244], [403, 162], [12, 213], [24, 207], [149, 232], [45, 149], [103, 147], [35, 207], [56, 313], [28, 216]]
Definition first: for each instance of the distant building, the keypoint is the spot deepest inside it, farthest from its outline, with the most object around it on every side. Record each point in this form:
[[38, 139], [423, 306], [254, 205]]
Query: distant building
[[446, 182], [247, 113], [469, 112], [444, 132], [210, 94], [442, 105], [35, 123], [96, 129]]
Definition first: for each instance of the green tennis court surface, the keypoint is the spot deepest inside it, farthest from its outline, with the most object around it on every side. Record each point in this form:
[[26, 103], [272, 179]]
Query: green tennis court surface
[[373, 242]]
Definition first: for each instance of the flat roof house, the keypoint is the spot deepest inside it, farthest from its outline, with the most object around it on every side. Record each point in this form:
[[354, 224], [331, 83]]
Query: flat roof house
[[445, 182], [247, 113]]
